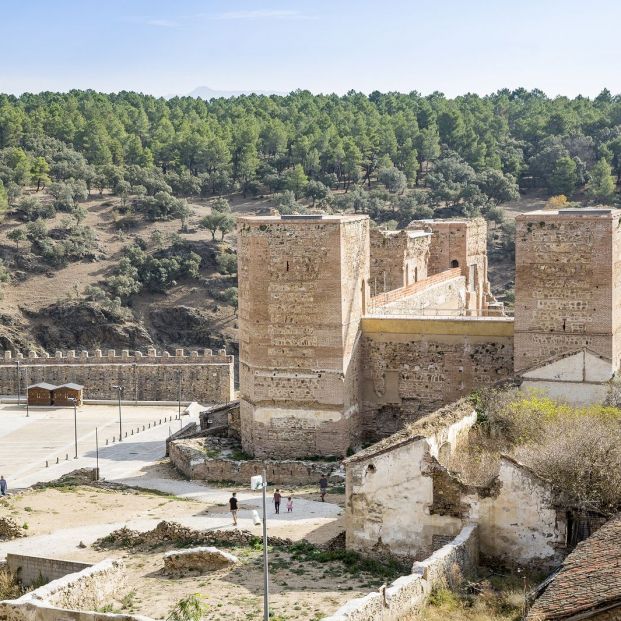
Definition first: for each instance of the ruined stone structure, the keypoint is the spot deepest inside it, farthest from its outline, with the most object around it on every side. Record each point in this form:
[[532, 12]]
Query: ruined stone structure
[[205, 377], [567, 285], [347, 334], [303, 287]]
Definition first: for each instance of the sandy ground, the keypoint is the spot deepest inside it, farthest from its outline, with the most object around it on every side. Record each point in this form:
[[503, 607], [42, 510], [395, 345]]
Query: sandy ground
[[299, 590], [64, 522]]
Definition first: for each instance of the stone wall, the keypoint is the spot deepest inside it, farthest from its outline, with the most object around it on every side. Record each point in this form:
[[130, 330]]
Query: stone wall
[[567, 285], [400, 499], [303, 286], [398, 258], [520, 524], [389, 488], [188, 458], [443, 294], [463, 244], [30, 569], [407, 595], [75, 596], [206, 377], [416, 365]]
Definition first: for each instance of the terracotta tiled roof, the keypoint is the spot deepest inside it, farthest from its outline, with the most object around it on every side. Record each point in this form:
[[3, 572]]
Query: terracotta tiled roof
[[589, 579]]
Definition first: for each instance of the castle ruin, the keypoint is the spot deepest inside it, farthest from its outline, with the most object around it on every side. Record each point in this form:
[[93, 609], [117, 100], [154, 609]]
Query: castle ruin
[[348, 333]]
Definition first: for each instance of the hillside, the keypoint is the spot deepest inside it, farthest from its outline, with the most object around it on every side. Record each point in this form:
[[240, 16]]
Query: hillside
[[44, 307]]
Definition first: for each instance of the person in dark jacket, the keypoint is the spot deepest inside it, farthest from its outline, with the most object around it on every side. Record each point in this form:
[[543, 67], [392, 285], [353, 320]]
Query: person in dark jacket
[[233, 507]]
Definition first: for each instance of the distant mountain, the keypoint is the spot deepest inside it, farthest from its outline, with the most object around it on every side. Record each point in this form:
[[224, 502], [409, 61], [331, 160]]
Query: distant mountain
[[204, 92]]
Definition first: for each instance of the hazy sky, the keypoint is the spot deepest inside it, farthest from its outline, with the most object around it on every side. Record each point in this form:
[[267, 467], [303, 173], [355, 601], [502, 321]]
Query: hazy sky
[[173, 46]]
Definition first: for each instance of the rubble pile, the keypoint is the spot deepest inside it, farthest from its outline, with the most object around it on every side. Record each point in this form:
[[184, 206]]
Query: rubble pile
[[182, 536]]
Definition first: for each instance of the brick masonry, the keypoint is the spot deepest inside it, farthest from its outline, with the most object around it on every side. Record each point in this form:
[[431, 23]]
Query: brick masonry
[[303, 286], [568, 285], [205, 377]]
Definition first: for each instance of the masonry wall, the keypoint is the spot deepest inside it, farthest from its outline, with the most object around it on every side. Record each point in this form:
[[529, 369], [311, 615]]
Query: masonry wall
[[461, 242], [206, 377], [30, 569], [439, 295], [303, 286], [407, 595], [389, 494], [192, 462], [519, 525], [75, 596], [567, 285], [400, 499], [398, 258], [415, 365]]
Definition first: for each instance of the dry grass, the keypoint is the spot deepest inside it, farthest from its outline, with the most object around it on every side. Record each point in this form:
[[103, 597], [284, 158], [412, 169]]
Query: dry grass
[[9, 585], [496, 598]]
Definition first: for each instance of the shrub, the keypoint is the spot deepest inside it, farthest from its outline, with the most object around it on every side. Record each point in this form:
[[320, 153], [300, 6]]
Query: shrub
[[227, 263], [31, 209]]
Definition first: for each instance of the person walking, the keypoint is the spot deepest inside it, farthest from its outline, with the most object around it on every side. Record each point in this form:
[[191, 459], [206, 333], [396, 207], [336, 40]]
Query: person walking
[[233, 507], [323, 487], [277, 499], [289, 505], [3, 486]]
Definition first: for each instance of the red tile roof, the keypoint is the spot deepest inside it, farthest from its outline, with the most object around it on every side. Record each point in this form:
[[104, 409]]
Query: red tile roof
[[589, 579]]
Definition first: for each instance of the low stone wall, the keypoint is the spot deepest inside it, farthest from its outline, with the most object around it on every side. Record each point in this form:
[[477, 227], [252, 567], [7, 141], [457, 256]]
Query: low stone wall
[[205, 377], [31, 569], [74, 597], [192, 462], [408, 594]]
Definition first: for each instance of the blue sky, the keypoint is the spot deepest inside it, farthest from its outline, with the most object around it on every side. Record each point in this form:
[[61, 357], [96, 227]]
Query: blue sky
[[171, 47]]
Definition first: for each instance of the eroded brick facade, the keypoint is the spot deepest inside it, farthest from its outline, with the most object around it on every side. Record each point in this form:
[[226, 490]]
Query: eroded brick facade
[[568, 284]]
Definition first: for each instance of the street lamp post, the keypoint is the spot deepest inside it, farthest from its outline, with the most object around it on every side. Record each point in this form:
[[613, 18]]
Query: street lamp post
[[255, 483], [74, 401], [120, 392]]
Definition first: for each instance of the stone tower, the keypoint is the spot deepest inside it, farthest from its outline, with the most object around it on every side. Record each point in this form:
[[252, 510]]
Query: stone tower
[[567, 286], [303, 287]]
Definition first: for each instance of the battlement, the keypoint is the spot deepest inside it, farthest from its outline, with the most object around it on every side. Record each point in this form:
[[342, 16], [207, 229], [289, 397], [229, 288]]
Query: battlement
[[126, 356]]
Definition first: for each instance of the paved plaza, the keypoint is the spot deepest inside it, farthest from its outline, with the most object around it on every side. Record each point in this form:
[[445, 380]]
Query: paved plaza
[[48, 434]]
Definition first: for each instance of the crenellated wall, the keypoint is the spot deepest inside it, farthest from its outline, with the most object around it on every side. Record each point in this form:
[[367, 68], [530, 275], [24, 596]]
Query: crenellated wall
[[205, 377]]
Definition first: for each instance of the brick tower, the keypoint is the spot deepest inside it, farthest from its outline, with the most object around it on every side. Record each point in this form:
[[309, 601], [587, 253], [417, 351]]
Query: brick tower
[[567, 286], [303, 287]]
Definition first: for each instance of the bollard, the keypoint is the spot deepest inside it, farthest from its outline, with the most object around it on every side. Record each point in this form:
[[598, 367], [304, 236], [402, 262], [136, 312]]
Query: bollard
[[58, 460], [106, 441], [160, 421], [149, 425], [46, 464], [126, 434], [132, 432], [66, 456], [112, 439], [143, 427]]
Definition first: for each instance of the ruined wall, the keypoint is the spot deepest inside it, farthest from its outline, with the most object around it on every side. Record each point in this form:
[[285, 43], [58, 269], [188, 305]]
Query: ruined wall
[[407, 594], [416, 365], [567, 285], [389, 489], [463, 244], [443, 294], [29, 569], [519, 525], [187, 457], [303, 286], [206, 378], [400, 499], [398, 258], [75, 596]]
